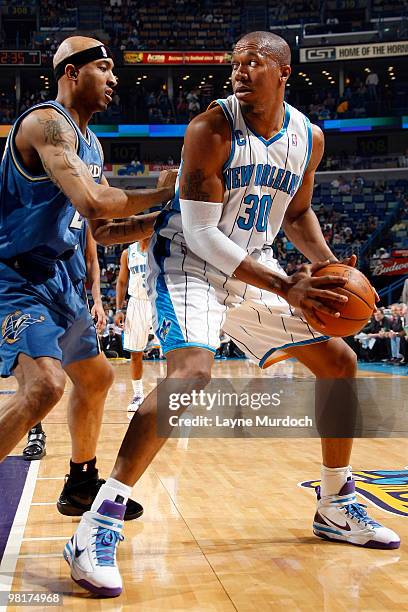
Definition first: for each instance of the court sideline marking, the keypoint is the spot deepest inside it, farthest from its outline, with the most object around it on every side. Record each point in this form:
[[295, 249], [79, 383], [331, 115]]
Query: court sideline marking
[[12, 550]]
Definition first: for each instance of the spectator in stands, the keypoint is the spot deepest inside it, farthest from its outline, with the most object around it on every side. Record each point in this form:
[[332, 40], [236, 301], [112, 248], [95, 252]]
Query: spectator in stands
[[371, 224], [181, 106], [357, 184], [381, 253], [404, 295], [373, 338], [403, 308], [330, 103], [358, 101], [372, 84], [344, 187], [403, 160], [379, 186], [223, 349], [399, 226], [342, 107], [395, 332], [112, 343], [193, 104]]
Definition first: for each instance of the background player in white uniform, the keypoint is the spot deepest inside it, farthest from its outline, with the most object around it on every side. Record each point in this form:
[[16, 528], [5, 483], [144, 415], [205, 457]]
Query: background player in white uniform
[[211, 268], [138, 321]]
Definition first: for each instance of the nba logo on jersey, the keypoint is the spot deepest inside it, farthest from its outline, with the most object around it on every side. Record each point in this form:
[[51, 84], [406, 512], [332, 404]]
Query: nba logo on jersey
[[294, 140]]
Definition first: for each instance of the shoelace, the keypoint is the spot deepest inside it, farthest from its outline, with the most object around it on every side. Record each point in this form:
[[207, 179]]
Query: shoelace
[[357, 511], [105, 545]]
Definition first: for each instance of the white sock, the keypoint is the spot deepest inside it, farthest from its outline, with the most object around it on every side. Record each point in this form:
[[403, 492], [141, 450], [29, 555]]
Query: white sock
[[137, 387], [110, 490], [333, 479]]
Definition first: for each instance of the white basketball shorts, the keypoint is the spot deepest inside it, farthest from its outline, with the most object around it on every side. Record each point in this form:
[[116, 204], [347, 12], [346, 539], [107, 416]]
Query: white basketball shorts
[[137, 325], [192, 302]]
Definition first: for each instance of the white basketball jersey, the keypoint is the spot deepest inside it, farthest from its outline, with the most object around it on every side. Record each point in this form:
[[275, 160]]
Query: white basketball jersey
[[137, 262], [261, 177]]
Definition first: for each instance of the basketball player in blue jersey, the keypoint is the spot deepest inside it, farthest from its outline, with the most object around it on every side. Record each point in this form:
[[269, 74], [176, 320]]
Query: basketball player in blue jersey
[[82, 265], [248, 168], [50, 178]]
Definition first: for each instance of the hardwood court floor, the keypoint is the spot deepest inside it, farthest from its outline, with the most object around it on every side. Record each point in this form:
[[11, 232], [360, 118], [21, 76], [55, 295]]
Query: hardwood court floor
[[225, 525]]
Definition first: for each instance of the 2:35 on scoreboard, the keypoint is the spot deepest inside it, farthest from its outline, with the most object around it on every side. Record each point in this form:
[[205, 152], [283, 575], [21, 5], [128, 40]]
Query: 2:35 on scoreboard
[[20, 58]]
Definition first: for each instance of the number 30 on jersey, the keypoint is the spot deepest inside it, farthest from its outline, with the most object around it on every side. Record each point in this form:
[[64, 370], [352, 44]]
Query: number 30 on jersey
[[256, 213]]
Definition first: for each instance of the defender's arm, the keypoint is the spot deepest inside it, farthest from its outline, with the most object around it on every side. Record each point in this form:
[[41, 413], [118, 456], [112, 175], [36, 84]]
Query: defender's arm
[[50, 134], [136, 228]]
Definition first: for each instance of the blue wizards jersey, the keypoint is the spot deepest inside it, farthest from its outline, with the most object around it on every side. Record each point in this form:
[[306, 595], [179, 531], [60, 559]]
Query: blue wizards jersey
[[35, 215], [76, 264]]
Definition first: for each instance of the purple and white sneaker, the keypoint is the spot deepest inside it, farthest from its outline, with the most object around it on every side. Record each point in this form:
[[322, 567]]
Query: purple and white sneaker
[[135, 404], [340, 518], [91, 552]]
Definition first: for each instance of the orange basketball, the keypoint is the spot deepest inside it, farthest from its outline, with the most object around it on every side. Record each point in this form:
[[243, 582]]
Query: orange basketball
[[355, 313]]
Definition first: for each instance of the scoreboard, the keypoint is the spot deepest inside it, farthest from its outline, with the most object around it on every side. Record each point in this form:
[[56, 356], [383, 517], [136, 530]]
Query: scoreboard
[[20, 58]]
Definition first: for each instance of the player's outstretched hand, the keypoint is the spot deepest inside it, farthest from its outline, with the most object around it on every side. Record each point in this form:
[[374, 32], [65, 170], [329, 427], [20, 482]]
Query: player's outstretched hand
[[167, 178], [308, 293], [119, 319], [99, 316]]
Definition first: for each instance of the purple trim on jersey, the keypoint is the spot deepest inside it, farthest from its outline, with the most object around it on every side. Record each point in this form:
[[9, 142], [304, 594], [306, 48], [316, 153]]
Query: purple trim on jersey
[[13, 475]]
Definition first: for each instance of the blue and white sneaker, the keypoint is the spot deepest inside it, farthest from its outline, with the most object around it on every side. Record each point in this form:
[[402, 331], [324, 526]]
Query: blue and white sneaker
[[91, 552], [340, 518]]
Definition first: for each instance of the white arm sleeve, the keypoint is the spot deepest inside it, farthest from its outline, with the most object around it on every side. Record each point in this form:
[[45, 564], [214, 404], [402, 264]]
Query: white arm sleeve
[[200, 228]]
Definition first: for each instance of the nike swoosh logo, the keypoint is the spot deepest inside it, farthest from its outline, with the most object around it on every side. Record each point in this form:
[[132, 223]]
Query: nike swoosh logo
[[78, 552], [345, 527]]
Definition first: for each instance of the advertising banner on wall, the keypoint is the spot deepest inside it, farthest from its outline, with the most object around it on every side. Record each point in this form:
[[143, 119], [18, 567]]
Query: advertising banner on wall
[[353, 52], [390, 266], [176, 57]]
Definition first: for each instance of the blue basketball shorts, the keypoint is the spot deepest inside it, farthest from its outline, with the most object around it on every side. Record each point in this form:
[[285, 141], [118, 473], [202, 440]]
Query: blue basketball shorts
[[43, 319]]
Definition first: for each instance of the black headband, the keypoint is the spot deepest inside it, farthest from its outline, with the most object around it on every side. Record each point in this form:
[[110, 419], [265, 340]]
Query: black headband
[[81, 58]]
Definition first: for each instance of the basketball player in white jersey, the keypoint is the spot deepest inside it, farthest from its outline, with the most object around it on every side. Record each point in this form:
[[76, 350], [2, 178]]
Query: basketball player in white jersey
[[138, 321], [248, 169]]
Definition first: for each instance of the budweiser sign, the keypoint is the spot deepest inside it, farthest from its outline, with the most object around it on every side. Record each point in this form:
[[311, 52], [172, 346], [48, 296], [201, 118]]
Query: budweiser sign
[[393, 265]]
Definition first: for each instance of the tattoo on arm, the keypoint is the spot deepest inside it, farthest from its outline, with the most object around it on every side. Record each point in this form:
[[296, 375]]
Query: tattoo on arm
[[58, 133], [50, 173], [192, 188], [124, 229]]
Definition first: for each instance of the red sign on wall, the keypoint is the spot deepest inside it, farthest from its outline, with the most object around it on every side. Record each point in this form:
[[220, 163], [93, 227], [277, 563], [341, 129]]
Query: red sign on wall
[[177, 57], [391, 266]]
